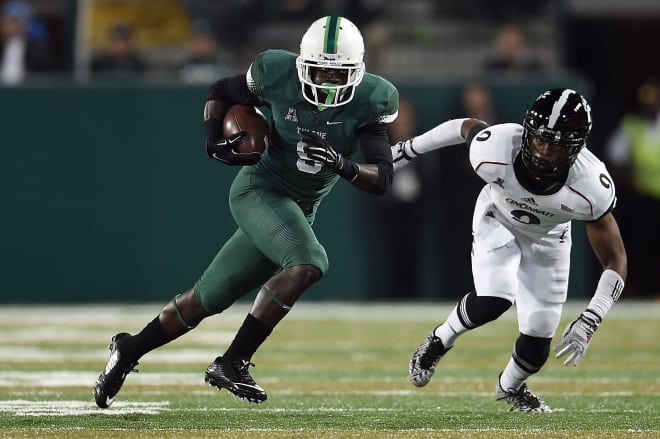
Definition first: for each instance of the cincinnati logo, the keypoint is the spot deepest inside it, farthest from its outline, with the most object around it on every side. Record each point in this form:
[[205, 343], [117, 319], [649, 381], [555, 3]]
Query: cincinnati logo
[[529, 208]]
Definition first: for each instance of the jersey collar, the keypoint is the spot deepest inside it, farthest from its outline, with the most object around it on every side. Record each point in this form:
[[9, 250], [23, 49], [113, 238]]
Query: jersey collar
[[537, 187]]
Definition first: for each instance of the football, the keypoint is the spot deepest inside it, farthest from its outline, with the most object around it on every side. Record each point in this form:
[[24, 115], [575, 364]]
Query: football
[[246, 118]]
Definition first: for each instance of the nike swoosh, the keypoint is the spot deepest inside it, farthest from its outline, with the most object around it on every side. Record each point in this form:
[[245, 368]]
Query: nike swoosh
[[109, 401], [333, 123]]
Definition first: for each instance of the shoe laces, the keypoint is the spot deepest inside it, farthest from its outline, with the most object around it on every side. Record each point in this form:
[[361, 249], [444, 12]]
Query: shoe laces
[[114, 381], [241, 369], [123, 367], [522, 398], [432, 353]]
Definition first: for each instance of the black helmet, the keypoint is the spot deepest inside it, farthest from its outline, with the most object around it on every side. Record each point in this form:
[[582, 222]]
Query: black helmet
[[561, 117]]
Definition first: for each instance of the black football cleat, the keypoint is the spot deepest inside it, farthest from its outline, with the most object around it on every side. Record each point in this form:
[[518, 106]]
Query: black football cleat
[[425, 359], [233, 375], [522, 399], [111, 379]]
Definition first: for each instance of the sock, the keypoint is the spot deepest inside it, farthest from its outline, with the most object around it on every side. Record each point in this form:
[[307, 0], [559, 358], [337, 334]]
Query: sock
[[449, 331], [248, 338], [513, 376], [150, 338]]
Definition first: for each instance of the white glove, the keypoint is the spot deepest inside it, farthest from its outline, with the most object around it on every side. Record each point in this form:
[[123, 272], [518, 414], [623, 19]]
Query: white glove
[[576, 338], [402, 153]]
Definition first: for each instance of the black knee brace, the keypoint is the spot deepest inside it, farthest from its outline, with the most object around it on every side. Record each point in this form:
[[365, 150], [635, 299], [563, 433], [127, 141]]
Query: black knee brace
[[474, 311], [531, 353]]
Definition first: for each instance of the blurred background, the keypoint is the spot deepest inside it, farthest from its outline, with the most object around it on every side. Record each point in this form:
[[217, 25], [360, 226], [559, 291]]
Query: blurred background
[[108, 195]]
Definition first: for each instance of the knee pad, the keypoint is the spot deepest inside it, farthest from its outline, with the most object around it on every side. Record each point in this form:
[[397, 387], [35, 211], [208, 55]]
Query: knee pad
[[502, 283], [302, 255], [479, 310], [531, 353]]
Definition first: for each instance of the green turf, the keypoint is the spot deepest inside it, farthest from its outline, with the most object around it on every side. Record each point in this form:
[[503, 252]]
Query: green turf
[[331, 370]]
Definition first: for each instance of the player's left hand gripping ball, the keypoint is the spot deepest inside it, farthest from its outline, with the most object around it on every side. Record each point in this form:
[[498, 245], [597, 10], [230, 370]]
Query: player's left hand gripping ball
[[318, 149]]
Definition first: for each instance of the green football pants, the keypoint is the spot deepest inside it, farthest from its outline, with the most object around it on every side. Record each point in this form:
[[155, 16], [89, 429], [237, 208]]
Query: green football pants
[[273, 234]]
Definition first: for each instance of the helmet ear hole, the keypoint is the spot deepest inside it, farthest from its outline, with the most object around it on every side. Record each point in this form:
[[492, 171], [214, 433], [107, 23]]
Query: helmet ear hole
[[334, 43]]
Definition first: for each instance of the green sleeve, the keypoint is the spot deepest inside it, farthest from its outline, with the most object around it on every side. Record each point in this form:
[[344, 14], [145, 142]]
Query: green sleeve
[[270, 71], [388, 107], [380, 98]]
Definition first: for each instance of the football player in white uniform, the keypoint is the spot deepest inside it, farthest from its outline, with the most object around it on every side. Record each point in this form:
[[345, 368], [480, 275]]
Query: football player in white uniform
[[539, 177]]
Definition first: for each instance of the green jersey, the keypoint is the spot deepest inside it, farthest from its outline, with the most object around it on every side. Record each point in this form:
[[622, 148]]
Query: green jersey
[[273, 77]]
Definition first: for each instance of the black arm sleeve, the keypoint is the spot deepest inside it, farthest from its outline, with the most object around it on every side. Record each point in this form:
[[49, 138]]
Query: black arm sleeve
[[233, 90], [227, 92], [473, 132], [376, 150]]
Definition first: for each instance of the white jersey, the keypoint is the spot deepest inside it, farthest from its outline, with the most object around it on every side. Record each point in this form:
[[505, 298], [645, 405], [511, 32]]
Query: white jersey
[[522, 240], [587, 194]]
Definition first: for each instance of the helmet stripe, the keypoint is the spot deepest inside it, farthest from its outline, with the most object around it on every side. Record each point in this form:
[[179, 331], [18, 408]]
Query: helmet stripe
[[556, 108], [331, 34]]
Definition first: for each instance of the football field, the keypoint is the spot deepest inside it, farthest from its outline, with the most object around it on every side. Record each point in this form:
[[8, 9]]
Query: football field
[[331, 370]]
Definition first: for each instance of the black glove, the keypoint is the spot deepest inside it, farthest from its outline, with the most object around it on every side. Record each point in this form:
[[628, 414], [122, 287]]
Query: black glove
[[223, 151], [320, 151]]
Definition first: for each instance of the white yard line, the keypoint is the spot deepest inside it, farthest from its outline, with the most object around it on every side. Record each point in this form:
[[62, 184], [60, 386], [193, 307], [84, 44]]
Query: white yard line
[[21, 407], [101, 316]]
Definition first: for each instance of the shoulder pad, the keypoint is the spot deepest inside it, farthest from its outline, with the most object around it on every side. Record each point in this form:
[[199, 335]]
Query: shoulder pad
[[497, 144], [590, 178], [380, 96], [270, 68]]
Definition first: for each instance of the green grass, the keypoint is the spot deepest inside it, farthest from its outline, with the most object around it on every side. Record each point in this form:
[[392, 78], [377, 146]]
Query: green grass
[[331, 370]]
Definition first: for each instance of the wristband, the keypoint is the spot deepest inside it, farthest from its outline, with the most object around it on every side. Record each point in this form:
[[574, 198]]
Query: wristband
[[591, 317], [349, 170], [607, 292]]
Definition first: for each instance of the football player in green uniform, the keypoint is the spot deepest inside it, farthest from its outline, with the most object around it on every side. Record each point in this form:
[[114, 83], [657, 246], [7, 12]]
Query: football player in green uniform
[[324, 106]]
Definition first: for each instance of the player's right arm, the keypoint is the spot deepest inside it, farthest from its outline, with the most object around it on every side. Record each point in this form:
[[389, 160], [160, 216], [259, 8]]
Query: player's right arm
[[451, 132], [374, 175], [223, 94]]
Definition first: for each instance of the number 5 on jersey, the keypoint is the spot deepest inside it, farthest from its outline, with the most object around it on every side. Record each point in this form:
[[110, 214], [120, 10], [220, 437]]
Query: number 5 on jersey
[[304, 163]]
